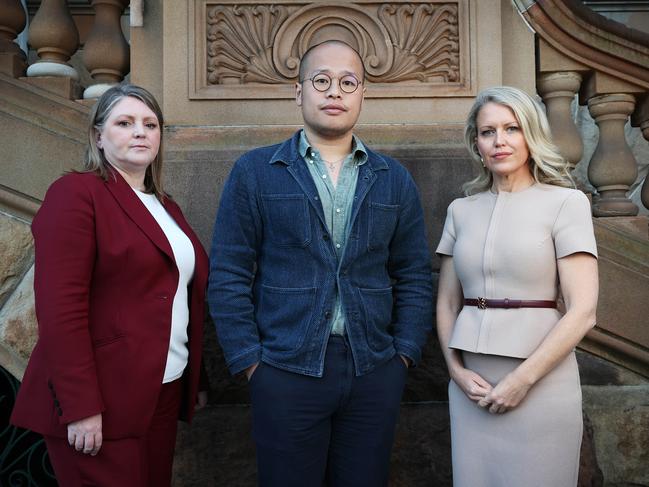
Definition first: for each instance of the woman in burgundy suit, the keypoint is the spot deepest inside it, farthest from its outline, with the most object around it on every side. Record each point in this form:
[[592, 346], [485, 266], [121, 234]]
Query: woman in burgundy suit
[[119, 286]]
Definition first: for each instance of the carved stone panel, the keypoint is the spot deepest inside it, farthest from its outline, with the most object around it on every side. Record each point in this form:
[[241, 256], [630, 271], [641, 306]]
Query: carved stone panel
[[243, 49]]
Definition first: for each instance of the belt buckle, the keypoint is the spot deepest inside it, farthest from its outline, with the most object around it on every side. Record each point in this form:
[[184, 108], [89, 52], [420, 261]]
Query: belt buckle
[[482, 303]]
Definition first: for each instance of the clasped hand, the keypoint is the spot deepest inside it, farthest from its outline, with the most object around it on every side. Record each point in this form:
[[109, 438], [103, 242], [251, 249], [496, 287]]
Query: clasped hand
[[498, 399]]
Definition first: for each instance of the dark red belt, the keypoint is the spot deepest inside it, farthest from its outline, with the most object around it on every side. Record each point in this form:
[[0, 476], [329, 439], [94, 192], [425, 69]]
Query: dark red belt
[[484, 303]]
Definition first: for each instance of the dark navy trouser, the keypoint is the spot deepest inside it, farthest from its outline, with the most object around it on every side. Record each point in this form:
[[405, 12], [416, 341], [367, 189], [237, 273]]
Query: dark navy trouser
[[336, 430]]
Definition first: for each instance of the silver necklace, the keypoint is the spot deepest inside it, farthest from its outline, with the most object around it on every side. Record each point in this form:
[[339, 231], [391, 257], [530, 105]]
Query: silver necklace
[[332, 164]]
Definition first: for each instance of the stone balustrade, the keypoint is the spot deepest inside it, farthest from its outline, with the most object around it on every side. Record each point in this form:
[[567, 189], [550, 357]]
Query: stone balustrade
[[54, 35], [612, 103]]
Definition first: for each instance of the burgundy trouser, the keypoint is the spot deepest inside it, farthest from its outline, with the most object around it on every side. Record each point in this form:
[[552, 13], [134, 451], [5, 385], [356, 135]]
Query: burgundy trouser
[[128, 462]]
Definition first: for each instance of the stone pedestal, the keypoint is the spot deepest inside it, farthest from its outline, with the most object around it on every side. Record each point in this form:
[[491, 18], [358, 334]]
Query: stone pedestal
[[64, 86]]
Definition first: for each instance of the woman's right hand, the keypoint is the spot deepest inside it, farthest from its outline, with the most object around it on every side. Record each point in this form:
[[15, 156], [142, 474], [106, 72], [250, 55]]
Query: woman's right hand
[[471, 383], [85, 435]]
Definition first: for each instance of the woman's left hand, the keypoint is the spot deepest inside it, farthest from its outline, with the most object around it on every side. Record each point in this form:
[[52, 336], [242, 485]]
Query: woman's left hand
[[506, 395], [201, 400]]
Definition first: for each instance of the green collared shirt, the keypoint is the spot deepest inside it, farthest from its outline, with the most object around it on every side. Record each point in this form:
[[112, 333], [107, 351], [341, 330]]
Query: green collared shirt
[[336, 202]]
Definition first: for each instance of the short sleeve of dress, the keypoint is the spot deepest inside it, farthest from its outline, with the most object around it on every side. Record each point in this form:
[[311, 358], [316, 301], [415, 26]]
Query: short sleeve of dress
[[447, 242], [573, 229]]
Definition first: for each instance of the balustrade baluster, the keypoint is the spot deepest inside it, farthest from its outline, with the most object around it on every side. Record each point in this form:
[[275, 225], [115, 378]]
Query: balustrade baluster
[[55, 37], [558, 90], [12, 22], [613, 167], [106, 53]]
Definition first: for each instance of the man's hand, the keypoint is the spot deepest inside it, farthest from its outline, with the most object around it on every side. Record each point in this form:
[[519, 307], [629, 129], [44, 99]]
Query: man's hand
[[251, 370], [85, 434], [405, 360]]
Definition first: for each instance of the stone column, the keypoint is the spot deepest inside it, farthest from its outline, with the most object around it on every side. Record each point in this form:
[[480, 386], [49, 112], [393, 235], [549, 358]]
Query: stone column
[[558, 90], [106, 53], [613, 167], [12, 22], [54, 35]]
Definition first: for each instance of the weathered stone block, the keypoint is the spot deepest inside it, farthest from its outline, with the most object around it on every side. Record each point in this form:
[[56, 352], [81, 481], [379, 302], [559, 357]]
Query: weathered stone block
[[595, 371], [620, 420], [17, 251], [18, 328]]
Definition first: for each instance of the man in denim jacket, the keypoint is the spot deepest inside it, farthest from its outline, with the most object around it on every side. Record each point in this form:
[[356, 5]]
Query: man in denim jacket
[[320, 286]]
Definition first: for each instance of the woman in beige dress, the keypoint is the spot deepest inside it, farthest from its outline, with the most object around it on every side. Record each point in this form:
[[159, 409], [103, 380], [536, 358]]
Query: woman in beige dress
[[520, 239]]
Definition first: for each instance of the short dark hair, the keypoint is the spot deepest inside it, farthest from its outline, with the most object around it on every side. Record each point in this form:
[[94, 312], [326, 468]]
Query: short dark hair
[[305, 57]]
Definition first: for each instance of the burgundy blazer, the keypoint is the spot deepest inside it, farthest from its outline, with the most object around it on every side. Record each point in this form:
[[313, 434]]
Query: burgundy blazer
[[105, 279]]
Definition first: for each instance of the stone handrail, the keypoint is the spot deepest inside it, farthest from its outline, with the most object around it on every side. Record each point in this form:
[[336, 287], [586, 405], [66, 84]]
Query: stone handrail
[[607, 64]]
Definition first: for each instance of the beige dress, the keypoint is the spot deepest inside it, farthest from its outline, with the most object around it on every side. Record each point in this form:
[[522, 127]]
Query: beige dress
[[506, 245]]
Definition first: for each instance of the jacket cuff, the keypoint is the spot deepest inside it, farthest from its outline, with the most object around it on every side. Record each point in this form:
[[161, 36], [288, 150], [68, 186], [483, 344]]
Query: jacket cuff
[[75, 403], [409, 350], [243, 361], [69, 414]]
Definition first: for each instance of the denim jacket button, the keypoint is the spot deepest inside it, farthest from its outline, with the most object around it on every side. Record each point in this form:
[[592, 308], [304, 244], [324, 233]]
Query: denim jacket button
[[327, 315]]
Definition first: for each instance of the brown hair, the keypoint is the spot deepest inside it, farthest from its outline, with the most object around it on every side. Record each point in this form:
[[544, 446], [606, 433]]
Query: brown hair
[[95, 161]]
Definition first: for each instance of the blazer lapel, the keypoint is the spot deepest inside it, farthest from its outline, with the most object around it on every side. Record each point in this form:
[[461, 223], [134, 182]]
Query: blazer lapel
[[135, 209]]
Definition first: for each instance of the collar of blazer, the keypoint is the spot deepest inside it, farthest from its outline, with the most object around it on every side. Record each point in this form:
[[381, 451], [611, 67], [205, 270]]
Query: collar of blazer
[[135, 209]]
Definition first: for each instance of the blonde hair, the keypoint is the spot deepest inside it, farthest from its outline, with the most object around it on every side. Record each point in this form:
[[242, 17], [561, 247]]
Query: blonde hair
[[96, 162], [546, 164]]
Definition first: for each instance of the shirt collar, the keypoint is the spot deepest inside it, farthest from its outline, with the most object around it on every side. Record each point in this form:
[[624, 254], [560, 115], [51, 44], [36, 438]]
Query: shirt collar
[[358, 149]]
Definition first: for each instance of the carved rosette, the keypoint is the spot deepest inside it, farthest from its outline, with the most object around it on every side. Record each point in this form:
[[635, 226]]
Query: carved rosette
[[412, 44]]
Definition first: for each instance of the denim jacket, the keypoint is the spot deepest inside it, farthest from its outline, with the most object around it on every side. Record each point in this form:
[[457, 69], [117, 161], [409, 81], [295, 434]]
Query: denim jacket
[[274, 270]]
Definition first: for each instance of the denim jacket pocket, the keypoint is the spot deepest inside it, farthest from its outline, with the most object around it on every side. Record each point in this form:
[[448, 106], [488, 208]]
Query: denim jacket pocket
[[283, 317], [287, 217], [383, 221], [377, 309]]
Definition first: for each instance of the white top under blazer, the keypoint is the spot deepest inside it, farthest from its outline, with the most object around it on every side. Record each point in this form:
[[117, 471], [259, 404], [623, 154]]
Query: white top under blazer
[[185, 261]]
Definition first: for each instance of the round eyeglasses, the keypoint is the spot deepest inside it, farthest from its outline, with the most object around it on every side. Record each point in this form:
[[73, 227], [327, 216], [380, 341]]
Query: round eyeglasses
[[321, 82]]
